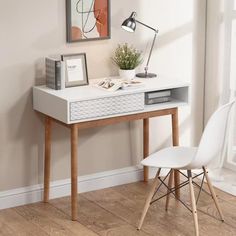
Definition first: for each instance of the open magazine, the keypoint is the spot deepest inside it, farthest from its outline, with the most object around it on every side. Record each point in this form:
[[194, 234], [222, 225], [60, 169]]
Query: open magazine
[[115, 84]]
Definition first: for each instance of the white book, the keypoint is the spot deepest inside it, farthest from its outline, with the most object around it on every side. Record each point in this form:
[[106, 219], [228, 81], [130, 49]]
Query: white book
[[158, 94]]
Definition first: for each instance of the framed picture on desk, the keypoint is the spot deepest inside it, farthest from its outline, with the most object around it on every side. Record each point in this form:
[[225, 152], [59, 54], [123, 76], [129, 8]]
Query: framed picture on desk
[[76, 73]]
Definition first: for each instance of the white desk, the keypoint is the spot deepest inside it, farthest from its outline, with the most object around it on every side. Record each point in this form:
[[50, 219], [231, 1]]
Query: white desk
[[87, 106]]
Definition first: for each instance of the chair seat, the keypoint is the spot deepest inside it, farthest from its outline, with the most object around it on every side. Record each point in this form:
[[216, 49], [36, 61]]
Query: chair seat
[[171, 157]]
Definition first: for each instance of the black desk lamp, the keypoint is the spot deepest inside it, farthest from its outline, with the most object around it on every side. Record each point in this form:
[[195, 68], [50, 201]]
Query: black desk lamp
[[130, 25]]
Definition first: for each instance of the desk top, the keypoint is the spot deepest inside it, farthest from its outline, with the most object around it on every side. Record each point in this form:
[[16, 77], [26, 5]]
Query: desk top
[[88, 92], [87, 103]]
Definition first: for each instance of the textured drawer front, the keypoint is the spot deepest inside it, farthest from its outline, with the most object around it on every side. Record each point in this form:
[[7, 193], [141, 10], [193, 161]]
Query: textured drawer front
[[106, 106]]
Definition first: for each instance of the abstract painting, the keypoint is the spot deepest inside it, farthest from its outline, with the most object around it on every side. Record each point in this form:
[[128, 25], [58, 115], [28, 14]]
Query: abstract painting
[[87, 20]]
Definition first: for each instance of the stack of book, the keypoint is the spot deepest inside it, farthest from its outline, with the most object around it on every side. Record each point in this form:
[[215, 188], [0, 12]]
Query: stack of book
[[157, 97], [55, 73]]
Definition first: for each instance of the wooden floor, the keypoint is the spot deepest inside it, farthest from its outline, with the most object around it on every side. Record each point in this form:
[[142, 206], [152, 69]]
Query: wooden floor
[[115, 212]]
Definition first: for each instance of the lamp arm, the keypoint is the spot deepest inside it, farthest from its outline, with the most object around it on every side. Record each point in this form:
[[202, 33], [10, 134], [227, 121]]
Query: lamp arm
[[150, 53], [153, 43], [141, 23]]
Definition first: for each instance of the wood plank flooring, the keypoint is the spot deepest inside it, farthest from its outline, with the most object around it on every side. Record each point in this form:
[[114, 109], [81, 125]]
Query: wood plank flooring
[[115, 212]]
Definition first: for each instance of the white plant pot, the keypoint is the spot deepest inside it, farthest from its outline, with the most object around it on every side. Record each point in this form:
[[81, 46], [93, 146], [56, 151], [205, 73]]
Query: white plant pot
[[127, 74]]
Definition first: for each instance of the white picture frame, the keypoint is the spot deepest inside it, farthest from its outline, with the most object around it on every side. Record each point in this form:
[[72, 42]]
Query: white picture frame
[[76, 73]]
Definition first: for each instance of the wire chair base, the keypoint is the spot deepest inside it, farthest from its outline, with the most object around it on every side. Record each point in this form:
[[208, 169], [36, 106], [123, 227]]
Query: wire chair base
[[181, 185]]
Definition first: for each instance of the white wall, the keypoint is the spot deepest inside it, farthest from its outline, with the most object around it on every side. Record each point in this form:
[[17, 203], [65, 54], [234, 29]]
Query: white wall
[[31, 30], [214, 55]]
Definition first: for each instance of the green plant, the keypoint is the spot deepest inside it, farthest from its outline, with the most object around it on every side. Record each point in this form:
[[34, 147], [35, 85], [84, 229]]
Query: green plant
[[127, 57]]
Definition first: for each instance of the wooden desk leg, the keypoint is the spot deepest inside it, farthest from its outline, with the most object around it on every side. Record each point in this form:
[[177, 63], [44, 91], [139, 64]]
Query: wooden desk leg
[[74, 171], [175, 140], [145, 147], [47, 157]]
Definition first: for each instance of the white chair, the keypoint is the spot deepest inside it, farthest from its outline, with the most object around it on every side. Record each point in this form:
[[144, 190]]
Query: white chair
[[189, 158]]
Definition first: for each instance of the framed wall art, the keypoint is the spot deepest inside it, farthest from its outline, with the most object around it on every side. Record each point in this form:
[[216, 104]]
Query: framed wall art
[[76, 73], [87, 20]]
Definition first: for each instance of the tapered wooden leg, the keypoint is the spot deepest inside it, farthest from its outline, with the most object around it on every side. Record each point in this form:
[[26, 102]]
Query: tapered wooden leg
[[193, 203], [149, 198], [175, 140], [145, 147], [47, 158], [170, 181], [213, 194], [74, 171]]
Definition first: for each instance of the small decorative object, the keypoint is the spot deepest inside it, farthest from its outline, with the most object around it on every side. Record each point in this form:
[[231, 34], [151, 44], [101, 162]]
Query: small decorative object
[[112, 85], [127, 59], [75, 69], [87, 20], [130, 25]]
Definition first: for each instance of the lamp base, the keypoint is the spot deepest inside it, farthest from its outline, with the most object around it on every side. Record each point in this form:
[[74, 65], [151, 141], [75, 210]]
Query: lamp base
[[146, 75]]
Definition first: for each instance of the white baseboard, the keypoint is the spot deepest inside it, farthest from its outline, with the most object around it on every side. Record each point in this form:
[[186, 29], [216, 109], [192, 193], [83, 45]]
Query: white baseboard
[[230, 165], [61, 188]]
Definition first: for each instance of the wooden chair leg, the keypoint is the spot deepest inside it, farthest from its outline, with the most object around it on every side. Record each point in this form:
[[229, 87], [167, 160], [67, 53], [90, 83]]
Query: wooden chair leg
[[170, 183], [149, 198], [213, 193], [175, 141], [193, 203]]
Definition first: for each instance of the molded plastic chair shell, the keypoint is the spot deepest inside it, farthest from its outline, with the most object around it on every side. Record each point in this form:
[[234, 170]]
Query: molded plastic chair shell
[[211, 145]]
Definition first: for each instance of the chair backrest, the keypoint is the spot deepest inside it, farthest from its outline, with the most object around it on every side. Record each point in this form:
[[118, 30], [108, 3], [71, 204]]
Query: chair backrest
[[214, 136]]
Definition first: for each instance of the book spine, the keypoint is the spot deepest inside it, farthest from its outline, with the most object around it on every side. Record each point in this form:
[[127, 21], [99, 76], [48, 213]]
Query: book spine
[[58, 75], [158, 94], [157, 100], [50, 73], [55, 73], [63, 75]]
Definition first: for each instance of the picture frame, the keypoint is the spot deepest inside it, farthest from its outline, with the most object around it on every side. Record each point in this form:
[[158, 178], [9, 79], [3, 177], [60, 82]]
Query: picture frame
[[76, 73], [87, 20]]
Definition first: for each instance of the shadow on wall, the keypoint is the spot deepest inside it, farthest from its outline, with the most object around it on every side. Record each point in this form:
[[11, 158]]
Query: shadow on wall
[[136, 133], [19, 119], [136, 128], [165, 39], [175, 34], [215, 59]]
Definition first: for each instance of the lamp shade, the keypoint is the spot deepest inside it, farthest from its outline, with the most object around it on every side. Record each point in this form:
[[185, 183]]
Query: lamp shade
[[130, 23]]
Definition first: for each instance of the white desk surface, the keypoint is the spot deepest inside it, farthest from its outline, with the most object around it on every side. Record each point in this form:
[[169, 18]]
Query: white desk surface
[[88, 92], [56, 103]]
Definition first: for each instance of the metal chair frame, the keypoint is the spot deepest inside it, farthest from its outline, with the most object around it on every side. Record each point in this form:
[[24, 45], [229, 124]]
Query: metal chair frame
[[181, 185]]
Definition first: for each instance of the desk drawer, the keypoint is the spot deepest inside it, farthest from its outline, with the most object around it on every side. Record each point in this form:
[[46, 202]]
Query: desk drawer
[[106, 106]]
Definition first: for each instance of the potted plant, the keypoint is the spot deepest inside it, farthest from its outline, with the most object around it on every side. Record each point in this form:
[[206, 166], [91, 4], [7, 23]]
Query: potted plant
[[127, 58]]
